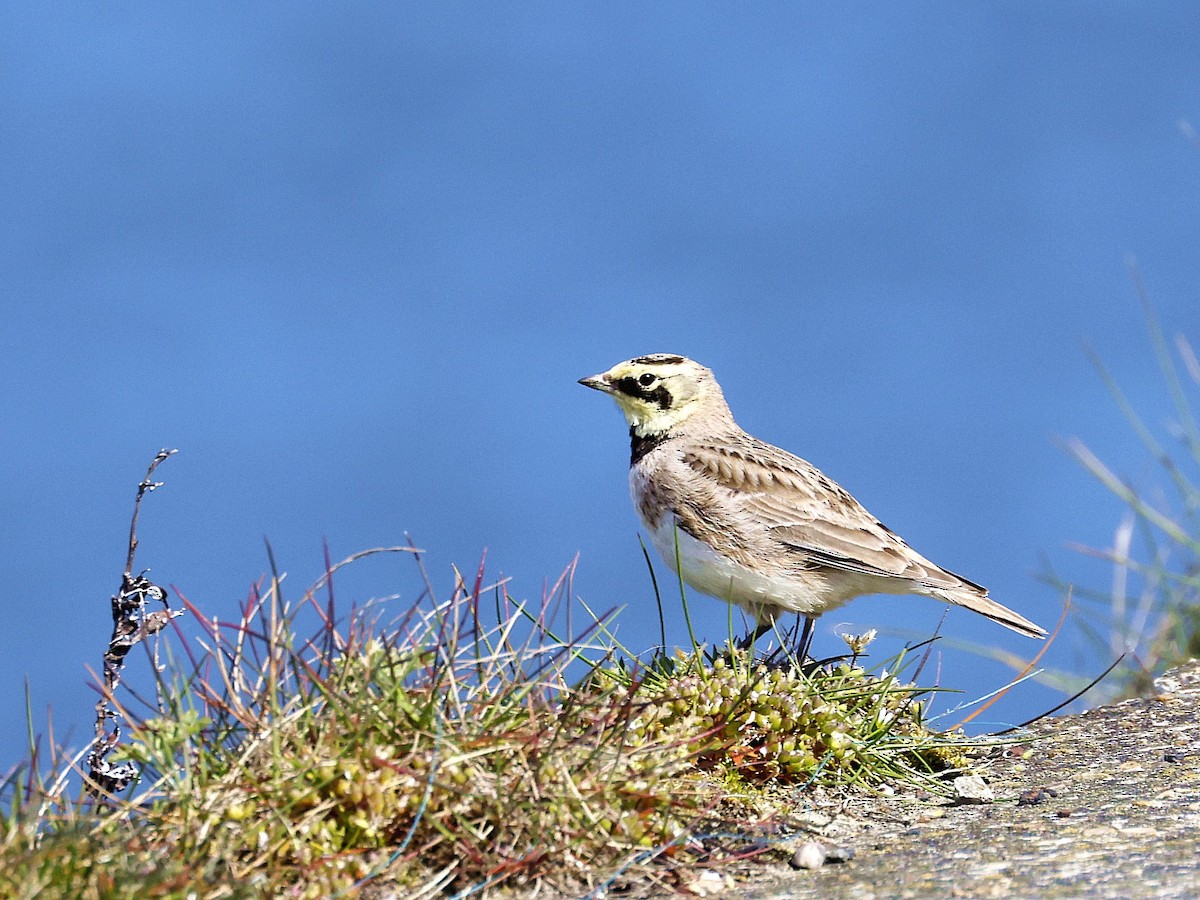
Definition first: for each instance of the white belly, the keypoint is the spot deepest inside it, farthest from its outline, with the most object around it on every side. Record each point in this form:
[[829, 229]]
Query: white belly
[[764, 596]]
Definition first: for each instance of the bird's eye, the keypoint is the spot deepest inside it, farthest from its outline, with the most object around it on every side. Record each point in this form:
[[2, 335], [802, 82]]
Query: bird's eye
[[647, 379]]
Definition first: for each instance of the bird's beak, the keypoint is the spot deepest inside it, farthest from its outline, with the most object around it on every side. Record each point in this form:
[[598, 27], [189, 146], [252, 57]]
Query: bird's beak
[[597, 383]]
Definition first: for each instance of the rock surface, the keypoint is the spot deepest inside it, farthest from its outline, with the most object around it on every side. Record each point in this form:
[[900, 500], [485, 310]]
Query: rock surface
[[1105, 803]]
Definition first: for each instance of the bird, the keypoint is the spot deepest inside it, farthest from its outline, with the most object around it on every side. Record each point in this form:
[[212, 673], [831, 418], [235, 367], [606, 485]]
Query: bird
[[750, 523]]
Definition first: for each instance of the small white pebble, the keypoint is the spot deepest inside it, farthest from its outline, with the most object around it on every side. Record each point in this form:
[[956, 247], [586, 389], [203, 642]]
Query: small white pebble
[[810, 856], [972, 789]]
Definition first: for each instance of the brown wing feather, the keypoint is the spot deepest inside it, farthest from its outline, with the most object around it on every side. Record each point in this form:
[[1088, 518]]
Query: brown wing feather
[[810, 516]]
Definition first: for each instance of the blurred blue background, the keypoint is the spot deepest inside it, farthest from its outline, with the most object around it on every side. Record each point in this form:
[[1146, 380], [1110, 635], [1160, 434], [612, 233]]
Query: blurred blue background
[[351, 259]]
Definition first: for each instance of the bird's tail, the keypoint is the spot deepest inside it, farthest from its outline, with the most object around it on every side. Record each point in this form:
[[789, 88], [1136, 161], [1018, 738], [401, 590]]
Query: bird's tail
[[980, 602]]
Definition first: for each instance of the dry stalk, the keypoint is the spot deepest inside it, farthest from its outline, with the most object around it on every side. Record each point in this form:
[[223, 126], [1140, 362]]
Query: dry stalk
[[131, 624]]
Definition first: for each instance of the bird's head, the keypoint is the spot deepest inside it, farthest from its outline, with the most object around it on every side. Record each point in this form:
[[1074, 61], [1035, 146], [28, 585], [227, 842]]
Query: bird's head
[[659, 392]]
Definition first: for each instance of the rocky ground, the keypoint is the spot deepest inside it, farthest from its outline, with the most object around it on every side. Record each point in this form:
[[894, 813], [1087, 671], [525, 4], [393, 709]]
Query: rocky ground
[[1101, 804]]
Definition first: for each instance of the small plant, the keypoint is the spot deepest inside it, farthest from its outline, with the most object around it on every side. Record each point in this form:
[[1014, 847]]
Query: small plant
[[834, 725]]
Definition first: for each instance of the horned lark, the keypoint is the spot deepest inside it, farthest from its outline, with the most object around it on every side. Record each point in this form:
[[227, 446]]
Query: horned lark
[[752, 524]]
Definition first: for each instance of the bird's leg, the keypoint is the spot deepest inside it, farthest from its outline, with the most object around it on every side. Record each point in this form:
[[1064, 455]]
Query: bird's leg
[[806, 637]]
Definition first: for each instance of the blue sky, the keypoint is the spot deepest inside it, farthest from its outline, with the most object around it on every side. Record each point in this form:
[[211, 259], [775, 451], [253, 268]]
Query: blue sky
[[352, 258]]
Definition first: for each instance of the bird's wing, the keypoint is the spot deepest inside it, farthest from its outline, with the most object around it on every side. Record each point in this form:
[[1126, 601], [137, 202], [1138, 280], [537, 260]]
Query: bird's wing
[[810, 516]]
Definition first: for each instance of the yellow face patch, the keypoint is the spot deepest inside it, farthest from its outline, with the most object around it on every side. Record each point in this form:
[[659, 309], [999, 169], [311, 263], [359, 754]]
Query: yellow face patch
[[655, 393]]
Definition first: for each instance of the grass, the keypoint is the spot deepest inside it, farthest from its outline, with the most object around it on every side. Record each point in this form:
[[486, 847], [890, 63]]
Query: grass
[[465, 748], [1151, 607]]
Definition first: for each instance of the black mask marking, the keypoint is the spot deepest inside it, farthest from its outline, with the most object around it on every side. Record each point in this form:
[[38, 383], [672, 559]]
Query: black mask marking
[[659, 396]]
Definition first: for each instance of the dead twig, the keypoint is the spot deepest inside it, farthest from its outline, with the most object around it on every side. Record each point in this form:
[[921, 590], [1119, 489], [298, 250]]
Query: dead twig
[[131, 623]]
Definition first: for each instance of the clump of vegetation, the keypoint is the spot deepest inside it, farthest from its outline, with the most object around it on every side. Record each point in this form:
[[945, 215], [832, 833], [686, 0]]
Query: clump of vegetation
[[460, 748], [834, 725]]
